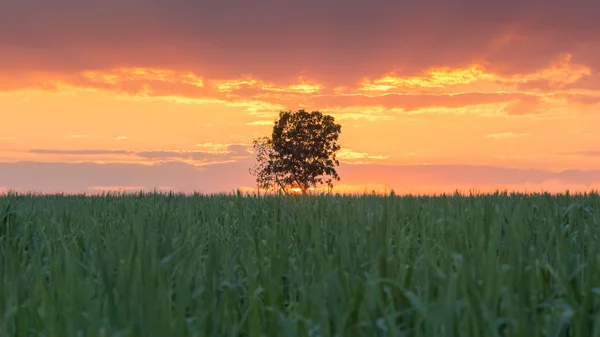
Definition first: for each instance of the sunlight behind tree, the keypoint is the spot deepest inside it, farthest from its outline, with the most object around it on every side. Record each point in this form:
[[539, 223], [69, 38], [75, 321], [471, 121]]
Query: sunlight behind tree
[[300, 154]]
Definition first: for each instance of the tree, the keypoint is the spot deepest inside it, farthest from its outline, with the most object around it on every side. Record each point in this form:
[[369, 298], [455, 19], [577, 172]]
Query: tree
[[300, 154]]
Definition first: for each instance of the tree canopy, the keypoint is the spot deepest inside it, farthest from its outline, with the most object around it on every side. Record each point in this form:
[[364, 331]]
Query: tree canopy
[[300, 154]]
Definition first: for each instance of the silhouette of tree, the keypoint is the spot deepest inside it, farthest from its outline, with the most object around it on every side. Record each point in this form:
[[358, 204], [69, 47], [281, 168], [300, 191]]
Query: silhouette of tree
[[300, 154]]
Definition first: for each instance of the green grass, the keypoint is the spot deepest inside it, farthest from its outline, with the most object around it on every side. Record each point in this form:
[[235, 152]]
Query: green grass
[[233, 265]]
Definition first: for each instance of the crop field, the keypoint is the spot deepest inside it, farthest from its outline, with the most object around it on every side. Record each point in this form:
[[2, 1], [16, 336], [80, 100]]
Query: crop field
[[152, 264]]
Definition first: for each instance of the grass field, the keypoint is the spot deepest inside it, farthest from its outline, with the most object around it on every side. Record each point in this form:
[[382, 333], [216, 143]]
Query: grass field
[[233, 265]]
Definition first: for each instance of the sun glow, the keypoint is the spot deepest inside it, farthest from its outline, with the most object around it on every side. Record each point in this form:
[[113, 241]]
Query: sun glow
[[298, 190]]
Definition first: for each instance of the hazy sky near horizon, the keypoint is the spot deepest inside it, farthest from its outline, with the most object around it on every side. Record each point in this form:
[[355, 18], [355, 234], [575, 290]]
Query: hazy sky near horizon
[[432, 95]]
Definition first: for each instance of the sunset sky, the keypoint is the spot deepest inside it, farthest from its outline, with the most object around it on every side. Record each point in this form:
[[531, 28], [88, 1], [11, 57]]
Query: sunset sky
[[432, 95]]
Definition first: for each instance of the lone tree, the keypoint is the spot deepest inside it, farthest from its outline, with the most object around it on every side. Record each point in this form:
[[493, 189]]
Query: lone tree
[[300, 154]]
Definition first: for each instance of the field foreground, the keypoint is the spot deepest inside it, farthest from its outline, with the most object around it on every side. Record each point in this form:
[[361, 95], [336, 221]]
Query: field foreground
[[233, 265]]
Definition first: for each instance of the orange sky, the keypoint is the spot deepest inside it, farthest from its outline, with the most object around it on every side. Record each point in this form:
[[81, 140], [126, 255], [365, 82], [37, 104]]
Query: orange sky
[[431, 96]]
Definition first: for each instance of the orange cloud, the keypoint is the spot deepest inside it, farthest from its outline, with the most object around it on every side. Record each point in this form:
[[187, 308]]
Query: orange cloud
[[347, 155], [585, 99], [433, 78], [119, 75], [389, 92], [558, 75]]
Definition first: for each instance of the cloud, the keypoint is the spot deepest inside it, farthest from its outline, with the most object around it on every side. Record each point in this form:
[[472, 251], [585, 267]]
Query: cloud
[[585, 153], [212, 153], [370, 113], [443, 87], [591, 82], [216, 148], [79, 152], [82, 177], [239, 149], [558, 74], [194, 155], [396, 175], [261, 122], [197, 156], [278, 41], [584, 99], [527, 105], [347, 155], [410, 102], [183, 177], [451, 90]]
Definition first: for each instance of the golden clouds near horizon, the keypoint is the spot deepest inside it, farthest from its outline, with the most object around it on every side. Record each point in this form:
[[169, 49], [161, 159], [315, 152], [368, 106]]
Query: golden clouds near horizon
[[441, 115]]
